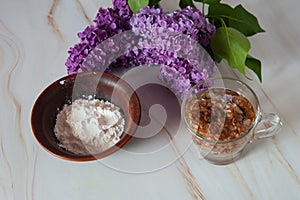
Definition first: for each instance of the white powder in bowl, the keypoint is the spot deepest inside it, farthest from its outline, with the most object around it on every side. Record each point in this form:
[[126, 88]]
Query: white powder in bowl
[[89, 126]]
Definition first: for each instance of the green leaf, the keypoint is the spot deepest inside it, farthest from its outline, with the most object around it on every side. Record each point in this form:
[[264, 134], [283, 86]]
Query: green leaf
[[244, 21], [185, 3], [216, 12], [208, 1], [136, 5], [255, 65], [153, 2], [232, 45]]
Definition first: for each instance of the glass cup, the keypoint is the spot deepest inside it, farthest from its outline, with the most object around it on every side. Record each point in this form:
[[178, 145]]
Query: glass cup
[[213, 145]]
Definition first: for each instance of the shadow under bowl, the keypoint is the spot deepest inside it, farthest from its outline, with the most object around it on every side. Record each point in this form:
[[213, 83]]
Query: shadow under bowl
[[100, 85]]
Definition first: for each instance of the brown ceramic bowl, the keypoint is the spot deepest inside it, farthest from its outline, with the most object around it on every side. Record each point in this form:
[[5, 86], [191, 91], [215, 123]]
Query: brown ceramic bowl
[[67, 89]]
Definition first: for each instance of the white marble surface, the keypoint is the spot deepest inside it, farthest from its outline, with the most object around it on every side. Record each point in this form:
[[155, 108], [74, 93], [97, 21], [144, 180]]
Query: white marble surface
[[34, 38]]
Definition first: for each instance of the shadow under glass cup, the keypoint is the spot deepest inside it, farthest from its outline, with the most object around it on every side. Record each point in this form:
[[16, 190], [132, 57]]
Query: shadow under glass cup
[[213, 146]]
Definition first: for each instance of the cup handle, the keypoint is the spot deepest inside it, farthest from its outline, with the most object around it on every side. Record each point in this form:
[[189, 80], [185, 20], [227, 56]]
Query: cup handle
[[268, 125]]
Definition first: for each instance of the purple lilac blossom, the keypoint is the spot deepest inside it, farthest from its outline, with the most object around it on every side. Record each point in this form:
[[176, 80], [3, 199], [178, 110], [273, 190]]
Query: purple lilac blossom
[[189, 21], [108, 22], [161, 38], [174, 39], [174, 79]]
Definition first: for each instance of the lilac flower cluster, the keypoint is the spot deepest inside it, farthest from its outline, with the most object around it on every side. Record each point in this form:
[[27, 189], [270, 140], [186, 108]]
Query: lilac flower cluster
[[175, 80], [189, 21], [108, 22], [182, 34], [166, 39]]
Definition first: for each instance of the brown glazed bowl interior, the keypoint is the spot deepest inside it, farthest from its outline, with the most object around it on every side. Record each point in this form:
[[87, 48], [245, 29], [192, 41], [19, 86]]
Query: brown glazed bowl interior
[[67, 89]]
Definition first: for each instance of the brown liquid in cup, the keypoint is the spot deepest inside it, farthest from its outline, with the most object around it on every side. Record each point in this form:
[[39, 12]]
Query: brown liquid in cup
[[219, 114]]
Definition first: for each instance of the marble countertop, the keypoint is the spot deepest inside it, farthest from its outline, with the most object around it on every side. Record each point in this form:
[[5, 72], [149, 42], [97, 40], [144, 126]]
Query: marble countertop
[[34, 38]]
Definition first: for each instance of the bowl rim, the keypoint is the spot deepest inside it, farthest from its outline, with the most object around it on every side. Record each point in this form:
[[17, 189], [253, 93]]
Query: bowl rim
[[89, 157]]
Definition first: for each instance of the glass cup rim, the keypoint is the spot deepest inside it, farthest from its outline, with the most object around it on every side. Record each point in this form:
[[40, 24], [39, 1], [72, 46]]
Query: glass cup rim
[[257, 117]]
